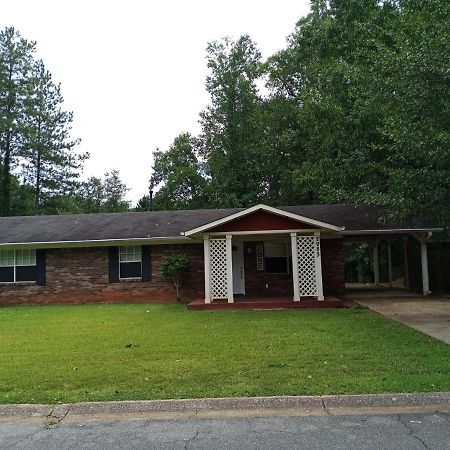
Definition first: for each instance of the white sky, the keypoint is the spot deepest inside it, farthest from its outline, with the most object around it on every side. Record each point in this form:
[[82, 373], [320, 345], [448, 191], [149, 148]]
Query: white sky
[[133, 72]]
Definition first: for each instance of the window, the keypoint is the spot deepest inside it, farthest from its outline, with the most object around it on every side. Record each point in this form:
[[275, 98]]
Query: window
[[130, 262], [17, 265], [277, 257]]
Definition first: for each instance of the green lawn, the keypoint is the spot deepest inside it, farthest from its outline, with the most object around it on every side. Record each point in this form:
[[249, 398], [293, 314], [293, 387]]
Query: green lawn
[[82, 353]]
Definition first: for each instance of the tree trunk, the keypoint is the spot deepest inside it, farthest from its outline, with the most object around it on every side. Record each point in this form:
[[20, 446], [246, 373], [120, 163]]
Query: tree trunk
[[37, 195], [6, 178]]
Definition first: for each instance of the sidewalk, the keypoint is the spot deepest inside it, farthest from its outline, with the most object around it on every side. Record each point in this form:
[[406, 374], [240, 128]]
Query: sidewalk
[[231, 407]]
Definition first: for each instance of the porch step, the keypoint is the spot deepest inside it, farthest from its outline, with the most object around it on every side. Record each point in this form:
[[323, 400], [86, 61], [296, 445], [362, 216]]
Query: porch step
[[264, 304]]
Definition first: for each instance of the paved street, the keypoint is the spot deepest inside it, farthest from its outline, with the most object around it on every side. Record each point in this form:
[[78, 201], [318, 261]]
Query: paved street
[[368, 431]]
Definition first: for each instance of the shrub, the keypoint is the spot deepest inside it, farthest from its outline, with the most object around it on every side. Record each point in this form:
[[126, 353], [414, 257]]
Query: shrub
[[174, 267]]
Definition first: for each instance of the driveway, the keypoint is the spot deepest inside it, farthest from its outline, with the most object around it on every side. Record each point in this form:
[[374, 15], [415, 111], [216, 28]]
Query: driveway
[[428, 315]]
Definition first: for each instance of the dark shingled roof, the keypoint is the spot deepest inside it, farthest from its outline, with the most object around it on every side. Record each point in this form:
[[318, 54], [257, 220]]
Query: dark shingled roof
[[165, 224]]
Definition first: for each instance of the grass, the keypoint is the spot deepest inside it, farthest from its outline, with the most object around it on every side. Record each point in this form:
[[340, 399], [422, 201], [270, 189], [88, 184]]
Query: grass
[[153, 351]]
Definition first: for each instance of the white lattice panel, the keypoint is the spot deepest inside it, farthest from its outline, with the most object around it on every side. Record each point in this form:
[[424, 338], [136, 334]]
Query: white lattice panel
[[307, 250], [218, 268]]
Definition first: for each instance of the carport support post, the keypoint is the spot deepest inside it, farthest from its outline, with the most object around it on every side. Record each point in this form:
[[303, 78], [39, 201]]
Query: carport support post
[[207, 265], [405, 255], [424, 259], [389, 262], [376, 264], [295, 278]]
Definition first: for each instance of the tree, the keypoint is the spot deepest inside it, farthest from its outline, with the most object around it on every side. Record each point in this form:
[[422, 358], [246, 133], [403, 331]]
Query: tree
[[230, 136], [16, 57], [367, 79], [51, 162], [174, 267], [114, 192], [180, 176], [108, 195], [143, 204]]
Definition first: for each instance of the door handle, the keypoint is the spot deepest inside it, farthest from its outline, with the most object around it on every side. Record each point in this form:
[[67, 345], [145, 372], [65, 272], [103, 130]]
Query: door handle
[[242, 272]]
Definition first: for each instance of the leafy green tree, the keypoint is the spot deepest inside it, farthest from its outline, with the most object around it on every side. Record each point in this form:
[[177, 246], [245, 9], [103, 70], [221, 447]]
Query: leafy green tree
[[368, 81], [22, 198], [174, 267], [230, 125], [114, 193], [179, 176], [103, 195], [16, 59], [143, 204], [51, 162]]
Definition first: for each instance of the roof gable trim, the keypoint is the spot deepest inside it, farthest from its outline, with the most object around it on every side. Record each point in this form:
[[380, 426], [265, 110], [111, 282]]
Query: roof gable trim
[[269, 209]]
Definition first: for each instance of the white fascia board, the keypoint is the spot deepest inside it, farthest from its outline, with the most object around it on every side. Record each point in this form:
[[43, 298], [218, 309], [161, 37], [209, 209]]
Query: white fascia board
[[98, 243], [389, 231], [268, 209]]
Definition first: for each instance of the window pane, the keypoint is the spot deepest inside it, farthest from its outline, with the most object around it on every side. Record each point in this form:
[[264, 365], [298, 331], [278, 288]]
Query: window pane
[[275, 249], [276, 265], [25, 257], [6, 274], [130, 270], [7, 258], [26, 273], [130, 253], [19, 257]]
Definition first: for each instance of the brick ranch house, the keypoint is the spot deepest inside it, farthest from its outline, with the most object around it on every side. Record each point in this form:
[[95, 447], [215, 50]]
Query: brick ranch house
[[294, 253]]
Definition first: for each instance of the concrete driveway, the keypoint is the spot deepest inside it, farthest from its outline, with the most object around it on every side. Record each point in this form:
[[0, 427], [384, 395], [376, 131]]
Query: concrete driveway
[[428, 315]]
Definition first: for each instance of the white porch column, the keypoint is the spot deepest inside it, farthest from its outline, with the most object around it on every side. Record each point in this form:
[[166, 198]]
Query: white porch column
[[424, 260], [295, 278], [230, 296], [389, 262], [318, 258], [207, 263], [376, 264]]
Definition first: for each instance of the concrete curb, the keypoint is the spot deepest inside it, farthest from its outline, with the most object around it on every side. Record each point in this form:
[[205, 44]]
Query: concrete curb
[[328, 404]]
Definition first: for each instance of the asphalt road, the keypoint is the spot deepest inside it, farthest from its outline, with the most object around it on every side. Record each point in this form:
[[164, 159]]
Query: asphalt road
[[387, 431]]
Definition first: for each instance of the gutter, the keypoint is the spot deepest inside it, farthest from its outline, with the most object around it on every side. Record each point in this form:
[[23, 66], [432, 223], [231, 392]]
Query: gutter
[[98, 242], [391, 231]]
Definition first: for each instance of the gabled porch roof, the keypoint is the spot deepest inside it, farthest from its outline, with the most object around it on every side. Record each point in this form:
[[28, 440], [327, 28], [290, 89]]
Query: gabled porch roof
[[292, 220]]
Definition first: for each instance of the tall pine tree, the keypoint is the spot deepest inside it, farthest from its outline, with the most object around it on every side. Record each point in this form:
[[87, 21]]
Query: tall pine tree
[[16, 61], [51, 162]]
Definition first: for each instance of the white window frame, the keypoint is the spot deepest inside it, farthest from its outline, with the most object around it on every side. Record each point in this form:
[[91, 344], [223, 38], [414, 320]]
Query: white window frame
[[20, 254], [137, 257]]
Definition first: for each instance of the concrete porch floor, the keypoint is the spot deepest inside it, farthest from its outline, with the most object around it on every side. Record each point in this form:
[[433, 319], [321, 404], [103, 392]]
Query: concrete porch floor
[[264, 303]]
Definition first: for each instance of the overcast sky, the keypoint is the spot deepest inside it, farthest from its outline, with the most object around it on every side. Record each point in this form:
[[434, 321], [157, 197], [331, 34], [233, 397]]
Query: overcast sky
[[133, 72]]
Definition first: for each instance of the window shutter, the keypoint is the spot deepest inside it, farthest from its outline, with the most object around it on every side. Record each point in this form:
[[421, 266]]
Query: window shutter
[[146, 263], [41, 267], [113, 264]]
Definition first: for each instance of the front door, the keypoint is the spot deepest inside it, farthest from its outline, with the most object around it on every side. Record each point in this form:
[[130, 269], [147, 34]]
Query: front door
[[238, 268]]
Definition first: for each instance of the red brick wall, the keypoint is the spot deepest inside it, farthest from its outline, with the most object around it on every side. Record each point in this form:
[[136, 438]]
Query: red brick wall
[[80, 275], [282, 285], [333, 271]]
